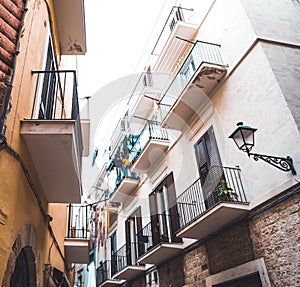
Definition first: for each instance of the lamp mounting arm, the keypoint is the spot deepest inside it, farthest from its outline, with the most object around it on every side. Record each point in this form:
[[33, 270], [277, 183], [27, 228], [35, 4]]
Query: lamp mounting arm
[[282, 163]]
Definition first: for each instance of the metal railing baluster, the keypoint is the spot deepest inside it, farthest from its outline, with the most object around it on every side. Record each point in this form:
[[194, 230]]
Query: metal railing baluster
[[192, 202]]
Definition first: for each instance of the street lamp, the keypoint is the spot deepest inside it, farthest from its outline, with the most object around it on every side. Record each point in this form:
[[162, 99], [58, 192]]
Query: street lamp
[[243, 137]]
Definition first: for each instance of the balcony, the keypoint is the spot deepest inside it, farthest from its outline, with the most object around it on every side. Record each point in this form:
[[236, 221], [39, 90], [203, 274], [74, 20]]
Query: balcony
[[125, 184], [149, 148], [77, 240], [113, 211], [221, 202], [174, 39], [190, 91], [156, 248], [124, 265], [103, 276], [70, 22], [149, 87], [53, 135]]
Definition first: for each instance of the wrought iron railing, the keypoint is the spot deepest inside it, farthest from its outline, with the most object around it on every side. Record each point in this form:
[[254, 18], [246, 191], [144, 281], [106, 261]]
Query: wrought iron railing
[[124, 257], [177, 14], [221, 184], [119, 260], [124, 172], [151, 130], [200, 53], [56, 98], [78, 222], [103, 272], [145, 238], [151, 84], [148, 237], [120, 162]]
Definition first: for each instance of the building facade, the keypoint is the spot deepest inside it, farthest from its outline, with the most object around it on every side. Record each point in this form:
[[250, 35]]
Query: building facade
[[185, 206], [41, 143]]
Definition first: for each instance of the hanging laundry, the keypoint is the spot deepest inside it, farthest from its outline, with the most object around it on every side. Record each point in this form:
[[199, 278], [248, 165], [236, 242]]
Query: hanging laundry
[[95, 156]]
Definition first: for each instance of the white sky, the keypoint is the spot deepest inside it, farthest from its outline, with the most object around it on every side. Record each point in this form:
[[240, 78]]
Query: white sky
[[117, 34]]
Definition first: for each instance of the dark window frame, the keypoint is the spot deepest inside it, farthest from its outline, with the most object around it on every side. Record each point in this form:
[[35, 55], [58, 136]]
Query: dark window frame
[[173, 216], [212, 164]]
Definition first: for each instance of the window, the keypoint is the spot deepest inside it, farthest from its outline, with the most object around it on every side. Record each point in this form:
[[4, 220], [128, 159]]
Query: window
[[209, 164], [189, 69], [164, 215], [152, 278], [148, 78], [133, 224]]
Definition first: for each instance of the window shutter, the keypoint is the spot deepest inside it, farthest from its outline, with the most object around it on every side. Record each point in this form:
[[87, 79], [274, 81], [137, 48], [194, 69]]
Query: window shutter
[[154, 218], [138, 228], [48, 95], [210, 166], [173, 212], [113, 248], [128, 241]]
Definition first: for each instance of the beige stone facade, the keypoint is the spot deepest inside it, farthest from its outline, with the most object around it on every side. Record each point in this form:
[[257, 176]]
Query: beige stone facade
[[244, 242]]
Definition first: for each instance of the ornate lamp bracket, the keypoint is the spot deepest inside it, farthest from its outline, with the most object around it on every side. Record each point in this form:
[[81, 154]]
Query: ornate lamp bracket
[[284, 164]]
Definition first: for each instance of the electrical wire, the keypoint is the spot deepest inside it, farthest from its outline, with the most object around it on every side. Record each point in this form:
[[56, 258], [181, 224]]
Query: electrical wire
[[47, 218], [49, 253]]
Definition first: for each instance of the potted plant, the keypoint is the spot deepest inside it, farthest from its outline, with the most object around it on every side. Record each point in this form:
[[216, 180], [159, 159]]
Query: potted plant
[[224, 193]]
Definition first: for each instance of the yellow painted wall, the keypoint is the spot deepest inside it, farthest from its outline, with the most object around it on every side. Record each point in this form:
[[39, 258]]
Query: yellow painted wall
[[18, 205], [59, 225]]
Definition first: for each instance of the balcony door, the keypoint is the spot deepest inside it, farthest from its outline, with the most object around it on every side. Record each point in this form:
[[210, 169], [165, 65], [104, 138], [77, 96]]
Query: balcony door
[[113, 250], [210, 166], [46, 108], [133, 249], [164, 215]]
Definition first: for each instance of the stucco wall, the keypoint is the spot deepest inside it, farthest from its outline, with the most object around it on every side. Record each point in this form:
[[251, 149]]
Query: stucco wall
[[276, 20], [285, 62], [18, 204], [11, 21]]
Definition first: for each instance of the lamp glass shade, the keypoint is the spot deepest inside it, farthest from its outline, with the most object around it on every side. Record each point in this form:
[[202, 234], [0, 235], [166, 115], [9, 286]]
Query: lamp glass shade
[[243, 137]]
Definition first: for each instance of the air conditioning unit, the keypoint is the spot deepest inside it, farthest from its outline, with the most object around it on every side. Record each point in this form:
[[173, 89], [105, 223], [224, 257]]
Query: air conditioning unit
[[125, 127]]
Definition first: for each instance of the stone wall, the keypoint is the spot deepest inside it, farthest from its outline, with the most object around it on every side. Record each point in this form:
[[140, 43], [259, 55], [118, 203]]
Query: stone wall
[[138, 282], [273, 235], [171, 273], [276, 237], [229, 248], [196, 267]]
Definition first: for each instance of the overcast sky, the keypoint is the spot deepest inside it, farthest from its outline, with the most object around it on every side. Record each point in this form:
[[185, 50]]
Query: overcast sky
[[117, 35]]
